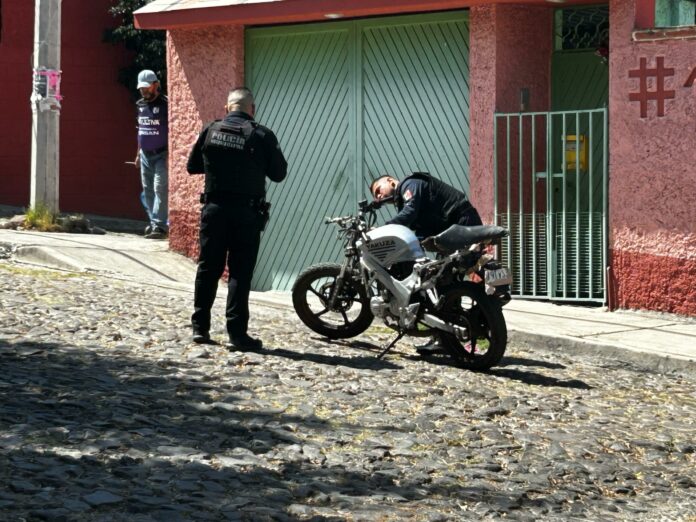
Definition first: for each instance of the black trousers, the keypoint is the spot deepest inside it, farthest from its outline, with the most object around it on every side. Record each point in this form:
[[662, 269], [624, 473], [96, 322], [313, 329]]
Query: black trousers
[[231, 232], [470, 218]]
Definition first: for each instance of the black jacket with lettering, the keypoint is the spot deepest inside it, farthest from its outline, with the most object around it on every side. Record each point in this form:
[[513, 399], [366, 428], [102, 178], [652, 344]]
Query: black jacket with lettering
[[427, 205], [237, 154]]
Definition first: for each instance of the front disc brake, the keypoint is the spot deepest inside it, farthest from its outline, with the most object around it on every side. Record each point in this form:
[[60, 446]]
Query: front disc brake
[[342, 302]]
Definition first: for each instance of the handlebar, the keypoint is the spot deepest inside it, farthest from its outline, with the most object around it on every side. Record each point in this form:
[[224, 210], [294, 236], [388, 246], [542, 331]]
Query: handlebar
[[364, 208], [374, 204], [341, 219]]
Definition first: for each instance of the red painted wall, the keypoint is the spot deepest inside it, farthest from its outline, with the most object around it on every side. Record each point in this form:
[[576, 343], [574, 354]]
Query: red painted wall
[[203, 65], [652, 169], [15, 132], [97, 133], [510, 49]]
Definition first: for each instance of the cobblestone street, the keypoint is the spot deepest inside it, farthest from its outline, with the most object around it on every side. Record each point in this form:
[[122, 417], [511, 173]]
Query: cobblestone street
[[109, 413]]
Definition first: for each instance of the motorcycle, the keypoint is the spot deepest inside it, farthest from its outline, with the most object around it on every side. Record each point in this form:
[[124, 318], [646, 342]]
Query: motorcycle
[[457, 296]]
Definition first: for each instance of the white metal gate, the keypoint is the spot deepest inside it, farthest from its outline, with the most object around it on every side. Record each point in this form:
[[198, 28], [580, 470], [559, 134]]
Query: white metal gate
[[551, 192]]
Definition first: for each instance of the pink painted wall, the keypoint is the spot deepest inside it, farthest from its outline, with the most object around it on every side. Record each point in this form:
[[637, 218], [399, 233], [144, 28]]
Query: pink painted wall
[[652, 187], [510, 49], [203, 65]]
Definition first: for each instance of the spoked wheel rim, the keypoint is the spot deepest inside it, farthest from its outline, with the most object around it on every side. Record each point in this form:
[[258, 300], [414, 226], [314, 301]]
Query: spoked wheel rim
[[346, 307], [482, 337], [475, 338]]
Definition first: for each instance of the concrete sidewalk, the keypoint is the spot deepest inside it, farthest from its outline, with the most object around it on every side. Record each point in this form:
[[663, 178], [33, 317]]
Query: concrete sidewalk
[[656, 341]]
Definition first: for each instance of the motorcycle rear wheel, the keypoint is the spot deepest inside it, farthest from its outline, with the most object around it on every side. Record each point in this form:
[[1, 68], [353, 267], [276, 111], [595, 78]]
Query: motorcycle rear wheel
[[467, 305], [311, 296]]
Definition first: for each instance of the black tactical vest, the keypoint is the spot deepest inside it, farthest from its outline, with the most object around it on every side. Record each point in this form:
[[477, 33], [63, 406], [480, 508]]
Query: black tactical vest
[[232, 157], [443, 207]]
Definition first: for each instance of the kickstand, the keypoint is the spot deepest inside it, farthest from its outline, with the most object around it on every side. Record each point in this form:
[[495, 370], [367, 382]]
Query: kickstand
[[390, 345]]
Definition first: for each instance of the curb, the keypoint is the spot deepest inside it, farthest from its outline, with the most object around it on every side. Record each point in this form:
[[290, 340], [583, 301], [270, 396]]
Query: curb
[[271, 302], [656, 362], [47, 257]]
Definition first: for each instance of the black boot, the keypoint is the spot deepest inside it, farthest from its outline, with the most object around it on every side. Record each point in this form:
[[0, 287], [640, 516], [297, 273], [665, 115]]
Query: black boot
[[201, 337], [244, 342], [431, 347]]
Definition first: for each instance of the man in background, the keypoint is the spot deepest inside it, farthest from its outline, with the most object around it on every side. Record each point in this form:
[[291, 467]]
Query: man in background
[[153, 135]]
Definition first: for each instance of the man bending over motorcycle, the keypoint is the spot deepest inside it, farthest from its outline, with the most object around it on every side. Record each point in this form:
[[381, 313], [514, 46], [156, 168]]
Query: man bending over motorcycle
[[427, 206]]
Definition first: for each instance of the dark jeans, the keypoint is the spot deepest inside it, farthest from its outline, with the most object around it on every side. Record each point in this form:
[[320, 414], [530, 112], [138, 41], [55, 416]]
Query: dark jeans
[[155, 181], [229, 231]]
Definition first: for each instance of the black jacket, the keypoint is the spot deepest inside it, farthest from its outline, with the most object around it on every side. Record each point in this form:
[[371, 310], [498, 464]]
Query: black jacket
[[428, 205], [237, 154]]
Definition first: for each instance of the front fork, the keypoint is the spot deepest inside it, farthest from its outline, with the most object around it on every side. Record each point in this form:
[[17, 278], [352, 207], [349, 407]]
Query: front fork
[[340, 281]]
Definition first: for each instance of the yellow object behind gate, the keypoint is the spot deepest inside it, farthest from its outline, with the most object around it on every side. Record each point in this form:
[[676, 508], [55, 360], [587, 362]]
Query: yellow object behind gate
[[571, 148]]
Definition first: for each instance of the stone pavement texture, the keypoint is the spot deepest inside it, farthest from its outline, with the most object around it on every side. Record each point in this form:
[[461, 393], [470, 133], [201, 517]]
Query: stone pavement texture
[[110, 413], [661, 342]]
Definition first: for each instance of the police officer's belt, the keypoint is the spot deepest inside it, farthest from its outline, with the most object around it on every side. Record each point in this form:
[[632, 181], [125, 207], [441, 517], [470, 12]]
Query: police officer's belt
[[221, 198]]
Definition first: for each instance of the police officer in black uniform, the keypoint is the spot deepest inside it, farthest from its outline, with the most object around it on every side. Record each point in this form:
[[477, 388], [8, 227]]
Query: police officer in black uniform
[[236, 154], [426, 205]]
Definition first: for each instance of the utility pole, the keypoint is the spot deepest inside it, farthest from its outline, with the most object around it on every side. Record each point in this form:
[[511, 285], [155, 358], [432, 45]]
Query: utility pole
[[45, 105]]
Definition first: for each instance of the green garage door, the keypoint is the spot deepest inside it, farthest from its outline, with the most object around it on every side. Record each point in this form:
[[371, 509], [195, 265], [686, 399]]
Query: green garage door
[[350, 101]]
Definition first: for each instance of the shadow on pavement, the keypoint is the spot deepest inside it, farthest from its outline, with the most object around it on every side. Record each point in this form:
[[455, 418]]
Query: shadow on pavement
[[537, 379], [527, 377], [367, 362], [520, 361], [167, 441]]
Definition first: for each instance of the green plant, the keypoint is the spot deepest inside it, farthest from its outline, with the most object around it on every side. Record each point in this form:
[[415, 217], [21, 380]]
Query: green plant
[[148, 46], [41, 218]]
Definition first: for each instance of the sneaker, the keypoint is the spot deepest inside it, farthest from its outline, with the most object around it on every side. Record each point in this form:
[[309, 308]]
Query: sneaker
[[432, 347], [157, 233], [244, 342], [148, 230]]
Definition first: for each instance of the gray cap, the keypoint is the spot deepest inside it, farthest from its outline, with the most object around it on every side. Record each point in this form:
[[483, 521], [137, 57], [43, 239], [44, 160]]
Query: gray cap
[[146, 78]]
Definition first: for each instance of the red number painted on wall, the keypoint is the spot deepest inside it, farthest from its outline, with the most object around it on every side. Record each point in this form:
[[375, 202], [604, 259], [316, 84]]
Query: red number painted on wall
[[691, 79], [659, 94], [644, 94]]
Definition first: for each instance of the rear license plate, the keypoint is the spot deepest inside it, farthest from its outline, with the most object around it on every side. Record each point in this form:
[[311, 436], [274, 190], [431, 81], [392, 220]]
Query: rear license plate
[[501, 276]]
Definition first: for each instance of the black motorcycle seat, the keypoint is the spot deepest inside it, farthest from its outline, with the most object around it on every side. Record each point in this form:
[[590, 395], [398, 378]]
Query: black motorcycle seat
[[457, 237]]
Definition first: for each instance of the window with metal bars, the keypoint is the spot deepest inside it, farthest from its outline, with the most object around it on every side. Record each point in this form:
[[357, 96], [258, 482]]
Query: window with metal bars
[[582, 28], [665, 19]]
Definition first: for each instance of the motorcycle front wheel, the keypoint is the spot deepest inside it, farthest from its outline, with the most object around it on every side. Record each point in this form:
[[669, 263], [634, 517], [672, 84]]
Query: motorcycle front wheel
[[483, 340], [312, 293]]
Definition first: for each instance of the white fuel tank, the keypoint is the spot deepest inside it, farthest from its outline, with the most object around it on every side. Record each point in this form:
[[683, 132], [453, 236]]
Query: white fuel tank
[[391, 244]]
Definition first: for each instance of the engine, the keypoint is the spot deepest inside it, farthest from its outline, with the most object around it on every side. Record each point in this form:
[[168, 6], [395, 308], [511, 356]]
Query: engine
[[391, 251], [386, 309], [379, 307]]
